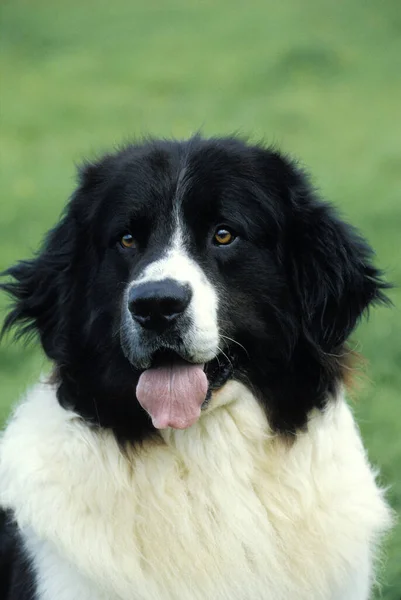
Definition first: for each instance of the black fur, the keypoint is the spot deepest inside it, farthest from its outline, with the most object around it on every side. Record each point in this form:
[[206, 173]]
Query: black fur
[[16, 575], [291, 288]]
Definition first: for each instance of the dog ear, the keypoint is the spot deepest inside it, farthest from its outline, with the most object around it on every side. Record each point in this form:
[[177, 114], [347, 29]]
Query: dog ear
[[333, 275], [43, 288], [40, 289], [329, 265]]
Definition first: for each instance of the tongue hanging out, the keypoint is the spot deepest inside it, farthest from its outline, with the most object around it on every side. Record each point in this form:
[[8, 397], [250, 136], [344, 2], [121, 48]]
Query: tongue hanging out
[[173, 394]]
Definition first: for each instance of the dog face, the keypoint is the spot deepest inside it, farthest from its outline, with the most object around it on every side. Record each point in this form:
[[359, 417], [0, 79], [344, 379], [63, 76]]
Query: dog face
[[194, 262]]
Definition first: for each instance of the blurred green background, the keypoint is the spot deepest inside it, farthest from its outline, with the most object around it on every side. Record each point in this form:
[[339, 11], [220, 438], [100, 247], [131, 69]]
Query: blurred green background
[[322, 79]]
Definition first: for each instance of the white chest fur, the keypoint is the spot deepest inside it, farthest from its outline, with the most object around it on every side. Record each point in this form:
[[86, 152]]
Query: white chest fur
[[223, 510]]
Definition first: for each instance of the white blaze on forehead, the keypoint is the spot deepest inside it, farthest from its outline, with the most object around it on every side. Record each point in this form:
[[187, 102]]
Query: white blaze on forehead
[[202, 336]]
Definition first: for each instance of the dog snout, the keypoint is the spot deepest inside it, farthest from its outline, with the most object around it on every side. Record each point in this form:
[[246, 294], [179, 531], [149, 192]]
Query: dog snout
[[156, 305]]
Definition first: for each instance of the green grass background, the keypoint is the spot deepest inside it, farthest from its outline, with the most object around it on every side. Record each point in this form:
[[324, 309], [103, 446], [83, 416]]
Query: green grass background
[[322, 79]]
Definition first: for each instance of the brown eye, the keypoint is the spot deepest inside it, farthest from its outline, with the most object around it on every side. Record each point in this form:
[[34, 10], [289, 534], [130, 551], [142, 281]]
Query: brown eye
[[127, 241], [223, 237]]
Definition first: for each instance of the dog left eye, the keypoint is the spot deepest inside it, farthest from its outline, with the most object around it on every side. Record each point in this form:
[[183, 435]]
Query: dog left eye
[[223, 237]]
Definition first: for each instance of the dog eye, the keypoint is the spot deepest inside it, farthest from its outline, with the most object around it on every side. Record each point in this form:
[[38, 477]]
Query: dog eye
[[127, 241], [223, 237]]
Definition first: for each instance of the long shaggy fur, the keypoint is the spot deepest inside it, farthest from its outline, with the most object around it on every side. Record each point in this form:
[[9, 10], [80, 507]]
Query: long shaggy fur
[[269, 495], [226, 509]]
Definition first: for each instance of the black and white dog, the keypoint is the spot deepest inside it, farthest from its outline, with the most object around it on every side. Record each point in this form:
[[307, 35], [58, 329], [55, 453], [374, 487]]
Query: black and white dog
[[193, 441]]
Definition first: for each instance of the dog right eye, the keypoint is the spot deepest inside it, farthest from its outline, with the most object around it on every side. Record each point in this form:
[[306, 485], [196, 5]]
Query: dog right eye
[[127, 241]]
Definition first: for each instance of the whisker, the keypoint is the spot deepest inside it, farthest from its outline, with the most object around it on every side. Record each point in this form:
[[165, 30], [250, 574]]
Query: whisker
[[224, 354], [235, 342]]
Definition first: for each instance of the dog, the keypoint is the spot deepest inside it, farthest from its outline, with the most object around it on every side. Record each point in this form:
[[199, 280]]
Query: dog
[[193, 440]]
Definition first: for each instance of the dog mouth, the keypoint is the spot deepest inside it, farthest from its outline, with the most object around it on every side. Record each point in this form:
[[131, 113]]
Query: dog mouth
[[173, 390]]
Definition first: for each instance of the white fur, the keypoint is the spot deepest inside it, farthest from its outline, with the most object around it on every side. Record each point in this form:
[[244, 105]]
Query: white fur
[[223, 510], [202, 338]]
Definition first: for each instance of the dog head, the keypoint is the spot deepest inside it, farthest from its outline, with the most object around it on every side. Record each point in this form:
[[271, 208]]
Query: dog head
[[179, 265]]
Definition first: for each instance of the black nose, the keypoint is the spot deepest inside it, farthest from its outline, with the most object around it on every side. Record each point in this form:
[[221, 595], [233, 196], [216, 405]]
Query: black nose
[[157, 304]]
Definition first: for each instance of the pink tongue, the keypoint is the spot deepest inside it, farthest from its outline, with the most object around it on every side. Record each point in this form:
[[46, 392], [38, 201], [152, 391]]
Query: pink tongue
[[173, 395]]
